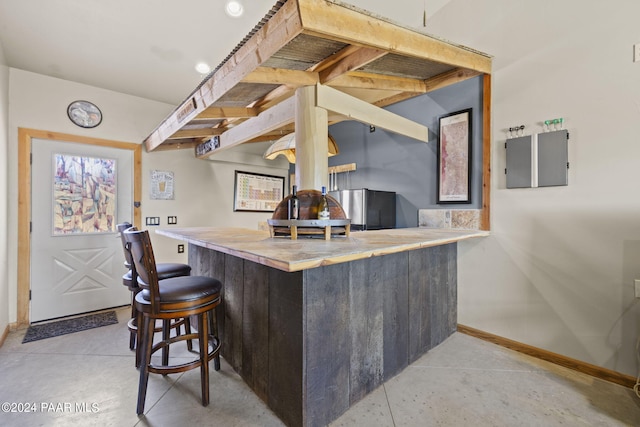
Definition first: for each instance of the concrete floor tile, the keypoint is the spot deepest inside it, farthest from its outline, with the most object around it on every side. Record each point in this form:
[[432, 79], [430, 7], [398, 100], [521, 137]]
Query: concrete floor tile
[[373, 410], [232, 403], [88, 379], [510, 390], [74, 389]]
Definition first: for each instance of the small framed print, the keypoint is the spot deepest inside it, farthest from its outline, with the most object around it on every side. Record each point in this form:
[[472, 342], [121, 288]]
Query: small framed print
[[454, 157], [161, 185], [256, 192]]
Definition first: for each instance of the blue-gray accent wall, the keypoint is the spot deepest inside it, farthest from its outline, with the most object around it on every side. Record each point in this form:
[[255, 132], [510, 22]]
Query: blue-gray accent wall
[[392, 162]]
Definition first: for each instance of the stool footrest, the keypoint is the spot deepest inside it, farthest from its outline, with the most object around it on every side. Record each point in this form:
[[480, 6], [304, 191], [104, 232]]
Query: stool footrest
[[174, 369], [133, 327]]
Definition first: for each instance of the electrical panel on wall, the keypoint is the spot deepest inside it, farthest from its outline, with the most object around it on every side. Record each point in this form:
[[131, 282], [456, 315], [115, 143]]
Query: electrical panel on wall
[[519, 162], [553, 158], [539, 160]]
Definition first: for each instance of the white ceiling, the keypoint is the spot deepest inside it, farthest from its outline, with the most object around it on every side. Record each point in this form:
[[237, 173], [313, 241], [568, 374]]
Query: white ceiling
[[146, 48]]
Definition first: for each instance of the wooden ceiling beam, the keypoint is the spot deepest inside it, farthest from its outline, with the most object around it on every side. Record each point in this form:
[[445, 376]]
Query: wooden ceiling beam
[[282, 76], [363, 80], [348, 25], [170, 145], [226, 113], [337, 71], [451, 77], [408, 88], [363, 38], [283, 27], [289, 80], [284, 91], [355, 60], [339, 102], [437, 82], [333, 59], [196, 133], [309, 77], [270, 120]]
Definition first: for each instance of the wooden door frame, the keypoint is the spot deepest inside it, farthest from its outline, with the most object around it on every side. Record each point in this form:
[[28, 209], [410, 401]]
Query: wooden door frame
[[25, 137]]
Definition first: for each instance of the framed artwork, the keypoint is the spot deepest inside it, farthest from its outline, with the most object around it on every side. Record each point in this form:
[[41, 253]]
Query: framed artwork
[[454, 157], [256, 192], [84, 195], [161, 185]]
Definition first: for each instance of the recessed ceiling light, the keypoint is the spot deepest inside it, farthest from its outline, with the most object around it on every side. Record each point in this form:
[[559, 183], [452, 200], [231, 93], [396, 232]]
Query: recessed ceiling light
[[203, 68], [234, 8]]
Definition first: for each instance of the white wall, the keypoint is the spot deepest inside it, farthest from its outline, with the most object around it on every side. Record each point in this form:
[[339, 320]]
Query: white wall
[[203, 193], [4, 115], [558, 270], [204, 189]]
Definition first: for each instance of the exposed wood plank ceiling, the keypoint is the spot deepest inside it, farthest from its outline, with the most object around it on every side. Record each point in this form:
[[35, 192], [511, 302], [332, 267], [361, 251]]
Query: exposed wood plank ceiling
[[304, 43]]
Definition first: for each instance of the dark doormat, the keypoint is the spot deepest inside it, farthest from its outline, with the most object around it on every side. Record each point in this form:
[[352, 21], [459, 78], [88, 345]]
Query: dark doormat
[[69, 326]]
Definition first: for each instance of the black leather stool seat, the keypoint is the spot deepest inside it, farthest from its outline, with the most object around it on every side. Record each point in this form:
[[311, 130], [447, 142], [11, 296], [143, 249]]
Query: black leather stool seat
[[183, 290]]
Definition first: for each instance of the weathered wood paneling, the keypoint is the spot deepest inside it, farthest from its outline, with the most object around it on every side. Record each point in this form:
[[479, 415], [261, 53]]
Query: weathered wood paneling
[[420, 298], [442, 277], [395, 270], [452, 313], [285, 389], [233, 312], [205, 262], [366, 325], [314, 342], [326, 343], [432, 297], [255, 328]]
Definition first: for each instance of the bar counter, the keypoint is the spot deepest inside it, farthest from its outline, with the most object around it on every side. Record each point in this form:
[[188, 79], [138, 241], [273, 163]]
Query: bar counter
[[314, 325], [295, 255]]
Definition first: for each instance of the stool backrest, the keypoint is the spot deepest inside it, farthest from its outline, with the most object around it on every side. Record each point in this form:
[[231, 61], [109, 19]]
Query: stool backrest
[[127, 254], [139, 245]]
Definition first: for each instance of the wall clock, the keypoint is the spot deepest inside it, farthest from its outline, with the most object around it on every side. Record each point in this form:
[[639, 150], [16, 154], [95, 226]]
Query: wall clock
[[84, 114]]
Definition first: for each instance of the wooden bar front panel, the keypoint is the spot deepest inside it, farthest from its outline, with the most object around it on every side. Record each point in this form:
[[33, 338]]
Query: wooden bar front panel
[[312, 343]]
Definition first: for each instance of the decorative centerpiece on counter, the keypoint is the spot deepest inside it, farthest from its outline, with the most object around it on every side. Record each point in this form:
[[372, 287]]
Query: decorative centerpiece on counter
[[308, 222]]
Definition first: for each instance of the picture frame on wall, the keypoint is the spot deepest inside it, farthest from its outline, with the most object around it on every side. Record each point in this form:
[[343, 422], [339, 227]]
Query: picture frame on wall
[[256, 192], [454, 157]]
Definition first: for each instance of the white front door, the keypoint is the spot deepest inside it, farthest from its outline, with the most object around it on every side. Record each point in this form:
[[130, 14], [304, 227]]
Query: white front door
[[79, 193]]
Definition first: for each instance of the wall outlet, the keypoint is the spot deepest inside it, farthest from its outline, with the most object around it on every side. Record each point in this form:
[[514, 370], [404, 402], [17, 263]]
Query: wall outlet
[[636, 52], [637, 285], [181, 250], [152, 220]]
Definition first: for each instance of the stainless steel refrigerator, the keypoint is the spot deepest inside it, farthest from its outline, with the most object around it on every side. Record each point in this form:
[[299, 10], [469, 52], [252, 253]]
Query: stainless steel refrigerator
[[368, 209]]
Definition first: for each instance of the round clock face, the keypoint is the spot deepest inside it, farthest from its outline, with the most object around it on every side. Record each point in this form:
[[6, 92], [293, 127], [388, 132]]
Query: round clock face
[[84, 114]]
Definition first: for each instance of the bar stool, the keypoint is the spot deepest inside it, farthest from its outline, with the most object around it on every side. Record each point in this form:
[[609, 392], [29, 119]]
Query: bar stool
[[165, 270], [178, 297]]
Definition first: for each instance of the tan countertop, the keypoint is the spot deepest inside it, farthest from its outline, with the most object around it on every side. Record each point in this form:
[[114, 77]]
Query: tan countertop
[[295, 255]]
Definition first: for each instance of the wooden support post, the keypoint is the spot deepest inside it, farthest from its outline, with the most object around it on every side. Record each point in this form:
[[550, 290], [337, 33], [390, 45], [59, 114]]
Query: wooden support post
[[312, 133]]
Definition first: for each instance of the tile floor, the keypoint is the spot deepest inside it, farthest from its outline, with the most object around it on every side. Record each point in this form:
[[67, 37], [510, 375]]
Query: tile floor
[[88, 379]]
